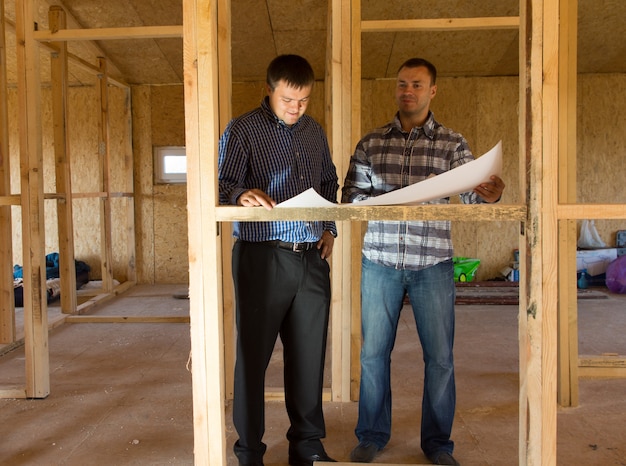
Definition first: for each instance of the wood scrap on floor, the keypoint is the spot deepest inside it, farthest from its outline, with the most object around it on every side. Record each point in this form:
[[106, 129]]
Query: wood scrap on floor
[[501, 292]]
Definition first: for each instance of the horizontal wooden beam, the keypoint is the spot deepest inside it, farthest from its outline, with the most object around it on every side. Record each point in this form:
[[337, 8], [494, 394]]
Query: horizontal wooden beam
[[441, 24], [12, 393], [614, 360], [13, 199], [591, 211], [140, 32], [457, 212], [605, 365], [93, 69], [100, 194], [83, 319]]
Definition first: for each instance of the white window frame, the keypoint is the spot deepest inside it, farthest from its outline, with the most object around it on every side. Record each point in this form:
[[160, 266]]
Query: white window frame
[[161, 175]]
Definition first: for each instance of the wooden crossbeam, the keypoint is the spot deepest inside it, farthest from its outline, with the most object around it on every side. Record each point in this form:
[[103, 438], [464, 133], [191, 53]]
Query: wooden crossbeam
[[441, 24], [456, 212], [83, 319], [125, 33]]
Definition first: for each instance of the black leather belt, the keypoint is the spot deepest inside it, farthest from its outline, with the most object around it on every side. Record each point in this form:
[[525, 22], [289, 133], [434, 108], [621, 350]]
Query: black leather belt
[[295, 247]]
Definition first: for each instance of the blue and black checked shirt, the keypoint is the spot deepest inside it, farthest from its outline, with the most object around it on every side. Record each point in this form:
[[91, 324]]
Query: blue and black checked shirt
[[389, 158], [258, 151]]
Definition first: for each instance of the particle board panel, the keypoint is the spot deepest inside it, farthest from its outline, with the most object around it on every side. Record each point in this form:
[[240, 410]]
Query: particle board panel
[[119, 137], [140, 58], [599, 28], [285, 18], [121, 238], [171, 262], [378, 105], [250, 61], [247, 95], [170, 234], [83, 134], [143, 182], [168, 121], [459, 53], [601, 119], [87, 241], [292, 42]]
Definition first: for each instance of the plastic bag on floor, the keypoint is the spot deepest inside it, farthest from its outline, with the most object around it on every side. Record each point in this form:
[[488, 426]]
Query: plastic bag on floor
[[616, 275], [589, 237]]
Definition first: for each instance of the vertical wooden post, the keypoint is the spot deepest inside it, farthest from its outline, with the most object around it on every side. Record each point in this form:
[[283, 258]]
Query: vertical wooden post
[[568, 305], [225, 88], [104, 149], [338, 117], [33, 227], [356, 227], [538, 293], [67, 268], [131, 250], [547, 281], [7, 303], [200, 54]]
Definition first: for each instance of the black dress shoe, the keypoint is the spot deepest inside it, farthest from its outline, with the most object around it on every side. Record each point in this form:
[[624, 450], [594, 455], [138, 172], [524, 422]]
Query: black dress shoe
[[364, 452], [444, 458], [308, 460]]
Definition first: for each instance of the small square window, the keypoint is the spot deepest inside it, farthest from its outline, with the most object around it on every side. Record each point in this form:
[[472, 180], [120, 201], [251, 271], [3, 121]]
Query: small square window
[[170, 164]]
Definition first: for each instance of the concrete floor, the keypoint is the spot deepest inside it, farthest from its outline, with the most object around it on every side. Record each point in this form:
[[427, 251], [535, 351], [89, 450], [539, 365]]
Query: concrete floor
[[121, 393]]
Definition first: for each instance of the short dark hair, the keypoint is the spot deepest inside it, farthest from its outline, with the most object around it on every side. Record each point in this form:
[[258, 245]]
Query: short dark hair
[[293, 69], [417, 62]]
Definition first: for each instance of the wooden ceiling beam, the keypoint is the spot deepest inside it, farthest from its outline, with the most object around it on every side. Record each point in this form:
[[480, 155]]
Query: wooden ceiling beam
[[124, 33], [441, 24]]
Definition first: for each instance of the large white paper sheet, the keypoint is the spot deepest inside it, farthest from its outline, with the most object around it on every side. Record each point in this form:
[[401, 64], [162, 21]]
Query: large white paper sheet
[[308, 198], [460, 180]]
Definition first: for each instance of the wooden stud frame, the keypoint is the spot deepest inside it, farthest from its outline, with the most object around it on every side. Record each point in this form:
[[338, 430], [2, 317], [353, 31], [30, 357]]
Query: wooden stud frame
[[31, 199], [541, 82], [539, 148], [31, 202], [67, 270], [7, 314]]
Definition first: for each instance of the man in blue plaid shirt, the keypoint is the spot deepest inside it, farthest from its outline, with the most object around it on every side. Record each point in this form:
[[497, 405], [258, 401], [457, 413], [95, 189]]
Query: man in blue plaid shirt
[[413, 257]]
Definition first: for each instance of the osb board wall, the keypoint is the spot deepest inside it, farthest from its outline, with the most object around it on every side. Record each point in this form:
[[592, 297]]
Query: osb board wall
[[601, 146], [483, 109], [143, 183], [84, 114], [161, 210]]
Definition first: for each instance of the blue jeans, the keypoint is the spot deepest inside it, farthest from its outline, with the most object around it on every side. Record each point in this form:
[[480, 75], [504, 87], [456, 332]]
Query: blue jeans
[[432, 294]]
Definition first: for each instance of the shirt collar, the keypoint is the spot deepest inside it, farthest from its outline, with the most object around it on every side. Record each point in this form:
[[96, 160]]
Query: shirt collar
[[428, 127]]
